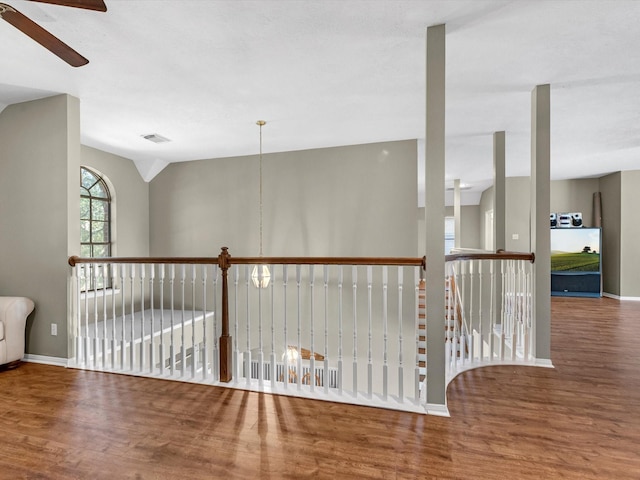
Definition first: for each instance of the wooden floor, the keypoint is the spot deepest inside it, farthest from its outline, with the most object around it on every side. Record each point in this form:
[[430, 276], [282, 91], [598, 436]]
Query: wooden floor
[[580, 420]]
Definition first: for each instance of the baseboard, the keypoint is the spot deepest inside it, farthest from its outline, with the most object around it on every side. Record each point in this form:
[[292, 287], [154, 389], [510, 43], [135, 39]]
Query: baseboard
[[437, 409], [56, 361], [543, 362], [617, 297]]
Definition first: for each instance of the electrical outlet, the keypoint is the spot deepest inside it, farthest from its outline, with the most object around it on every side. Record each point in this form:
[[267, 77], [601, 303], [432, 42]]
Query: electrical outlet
[[515, 236], [54, 329]]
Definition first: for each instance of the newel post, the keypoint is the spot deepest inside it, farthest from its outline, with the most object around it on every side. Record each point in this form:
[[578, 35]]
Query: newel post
[[225, 339]]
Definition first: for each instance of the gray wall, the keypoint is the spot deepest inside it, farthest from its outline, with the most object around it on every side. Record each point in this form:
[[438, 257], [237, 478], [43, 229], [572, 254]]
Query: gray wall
[[344, 201], [130, 201], [39, 208], [469, 226]]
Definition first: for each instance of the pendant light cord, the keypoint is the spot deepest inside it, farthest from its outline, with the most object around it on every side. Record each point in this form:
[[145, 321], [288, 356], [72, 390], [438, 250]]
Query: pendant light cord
[[260, 124]]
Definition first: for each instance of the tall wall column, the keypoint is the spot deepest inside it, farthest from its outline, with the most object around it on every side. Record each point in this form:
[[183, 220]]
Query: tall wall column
[[434, 216], [540, 208]]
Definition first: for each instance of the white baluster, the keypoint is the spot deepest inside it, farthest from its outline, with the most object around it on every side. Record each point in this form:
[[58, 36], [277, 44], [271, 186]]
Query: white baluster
[[114, 276], [354, 278], [260, 341], [247, 353], [236, 346], [205, 351], [385, 333], [312, 360], [152, 357], [96, 342], [195, 350], [123, 340], [132, 356], [492, 319], [326, 328], [142, 314], [215, 360], [272, 358], [162, 349], [480, 323], [285, 279], [370, 332], [105, 345], [299, 356], [340, 363], [400, 337], [172, 341], [183, 350]]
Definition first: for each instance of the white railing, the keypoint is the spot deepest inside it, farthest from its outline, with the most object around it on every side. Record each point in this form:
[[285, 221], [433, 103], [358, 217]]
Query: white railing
[[340, 329], [333, 329], [484, 326]]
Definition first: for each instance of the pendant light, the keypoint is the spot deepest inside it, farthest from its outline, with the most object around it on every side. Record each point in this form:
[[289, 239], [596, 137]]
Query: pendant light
[[260, 274]]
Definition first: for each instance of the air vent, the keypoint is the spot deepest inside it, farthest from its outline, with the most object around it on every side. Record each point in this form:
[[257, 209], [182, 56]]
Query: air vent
[[155, 138]]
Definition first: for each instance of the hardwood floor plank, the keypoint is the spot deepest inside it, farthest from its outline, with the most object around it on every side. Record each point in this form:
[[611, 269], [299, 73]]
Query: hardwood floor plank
[[579, 420]]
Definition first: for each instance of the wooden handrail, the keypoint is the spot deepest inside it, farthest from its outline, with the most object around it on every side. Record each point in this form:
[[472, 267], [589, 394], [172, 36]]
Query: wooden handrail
[[225, 260], [499, 255], [391, 261]]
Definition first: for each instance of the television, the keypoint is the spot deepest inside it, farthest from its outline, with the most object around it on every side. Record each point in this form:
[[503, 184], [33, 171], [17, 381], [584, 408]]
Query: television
[[576, 262]]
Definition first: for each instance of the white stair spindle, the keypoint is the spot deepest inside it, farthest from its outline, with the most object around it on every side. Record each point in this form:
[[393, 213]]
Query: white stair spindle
[[247, 352], [183, 350], [114, 340], [326, 329], [215, 358], [287, 360], [105, 345], [260, 341], [340, 361], [152, 357], [96, 345], [195, 351], [312, 360], [142, 314], [385, 333], [299, 347], [132, 356], [400, 337], [205, 349], [480, 322], [354, 278], [370, 331], [172, 341], [162, 349], [123, 338], [272, 358], [236, 346]]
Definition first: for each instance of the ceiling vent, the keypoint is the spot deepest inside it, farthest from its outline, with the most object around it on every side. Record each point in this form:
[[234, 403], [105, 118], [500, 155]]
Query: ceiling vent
[[155, 138]]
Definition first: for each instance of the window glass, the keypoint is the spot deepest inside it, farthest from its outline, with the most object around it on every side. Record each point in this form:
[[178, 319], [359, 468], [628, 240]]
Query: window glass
[[95, 224]]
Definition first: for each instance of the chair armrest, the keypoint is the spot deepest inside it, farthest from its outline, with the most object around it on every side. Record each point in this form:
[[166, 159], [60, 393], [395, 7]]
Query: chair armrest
[[13, 314]]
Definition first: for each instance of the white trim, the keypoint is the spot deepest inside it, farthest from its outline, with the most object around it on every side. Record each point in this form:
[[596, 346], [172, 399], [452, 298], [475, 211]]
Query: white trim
[[543, 362], [437, 409], [617, 297], [56, 361]]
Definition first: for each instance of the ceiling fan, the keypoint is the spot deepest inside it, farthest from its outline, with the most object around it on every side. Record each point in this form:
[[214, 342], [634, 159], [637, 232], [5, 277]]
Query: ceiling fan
[[42, 36]]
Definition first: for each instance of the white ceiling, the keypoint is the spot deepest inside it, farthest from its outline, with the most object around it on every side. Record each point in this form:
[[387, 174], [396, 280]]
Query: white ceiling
[[327, 73]]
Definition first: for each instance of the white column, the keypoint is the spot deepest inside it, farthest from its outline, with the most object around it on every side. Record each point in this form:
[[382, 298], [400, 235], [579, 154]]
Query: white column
[[540, 208], [434, 216]]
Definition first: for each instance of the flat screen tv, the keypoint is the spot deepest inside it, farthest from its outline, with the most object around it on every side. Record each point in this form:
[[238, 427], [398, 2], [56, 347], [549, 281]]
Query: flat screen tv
[[575, 262]]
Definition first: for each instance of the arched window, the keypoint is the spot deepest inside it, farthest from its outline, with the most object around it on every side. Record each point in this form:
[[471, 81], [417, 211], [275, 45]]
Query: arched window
[[95, 220]]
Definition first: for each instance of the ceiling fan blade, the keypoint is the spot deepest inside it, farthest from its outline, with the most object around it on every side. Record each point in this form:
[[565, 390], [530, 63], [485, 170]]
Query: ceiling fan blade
[[40, 35], [97, 5]]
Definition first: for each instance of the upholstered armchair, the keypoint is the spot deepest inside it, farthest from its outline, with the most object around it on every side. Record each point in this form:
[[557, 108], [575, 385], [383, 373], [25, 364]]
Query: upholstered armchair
[[13, 318]]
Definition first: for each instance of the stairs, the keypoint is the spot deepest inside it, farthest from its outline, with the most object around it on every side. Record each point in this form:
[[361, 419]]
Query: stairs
[[453, 321]]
